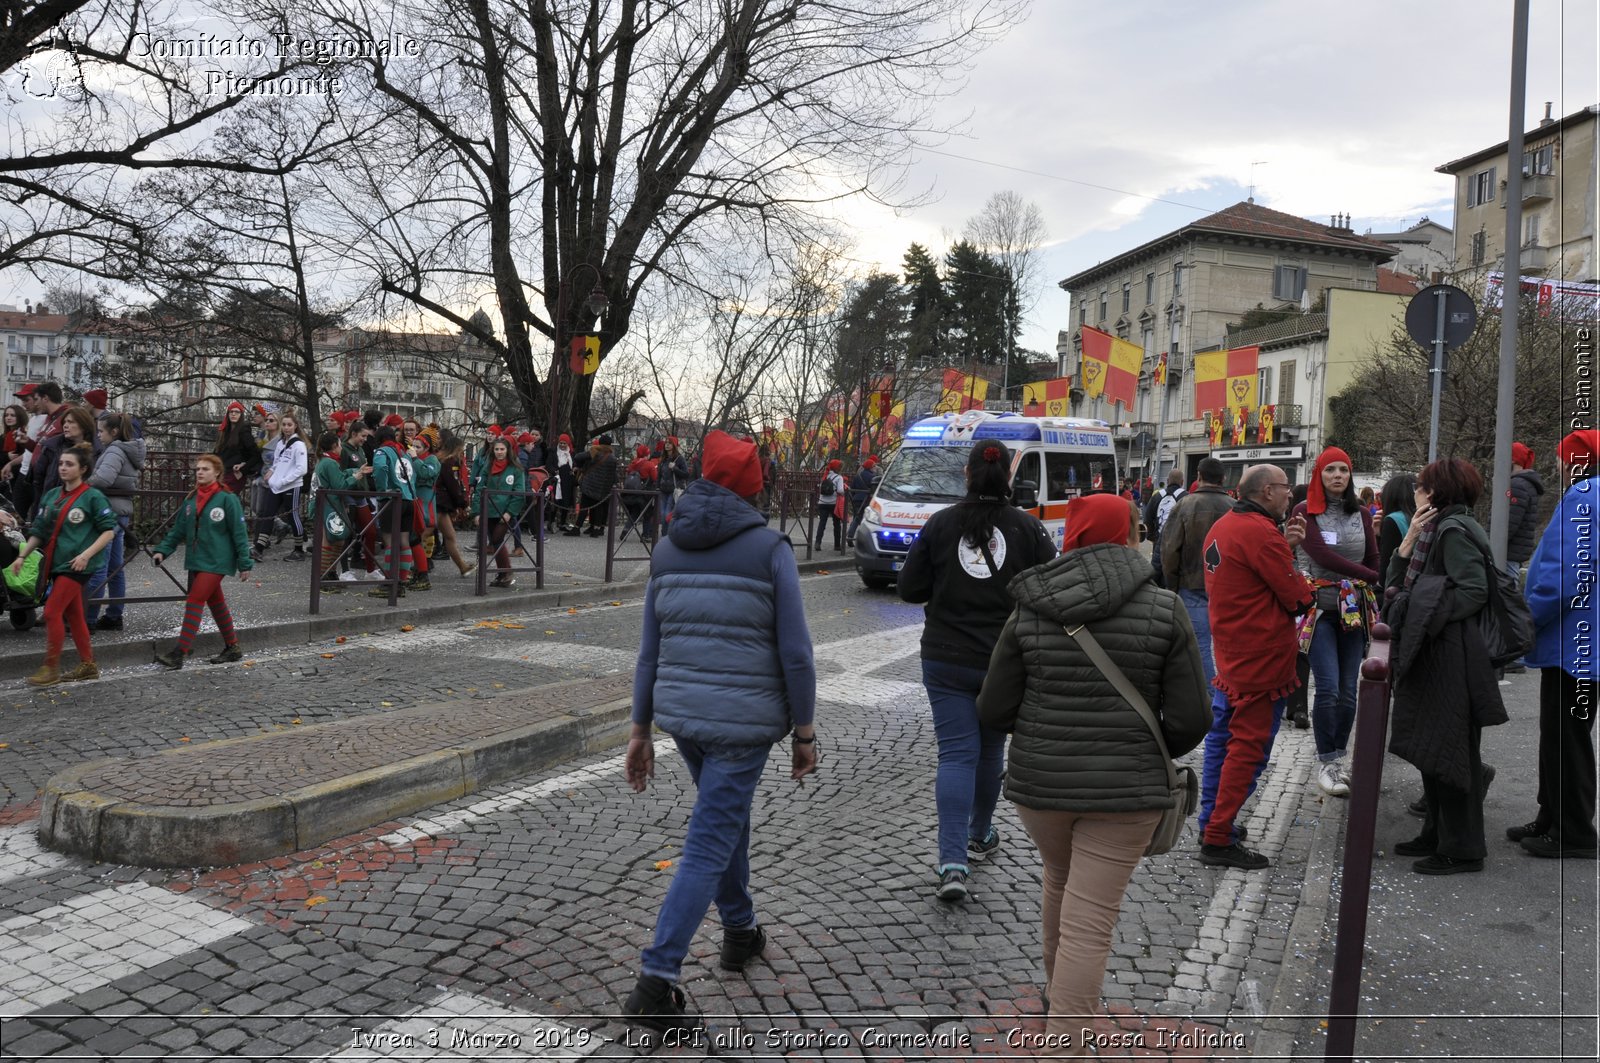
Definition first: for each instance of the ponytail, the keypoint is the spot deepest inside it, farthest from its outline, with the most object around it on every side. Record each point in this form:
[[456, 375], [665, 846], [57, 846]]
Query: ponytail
[[988, 491]]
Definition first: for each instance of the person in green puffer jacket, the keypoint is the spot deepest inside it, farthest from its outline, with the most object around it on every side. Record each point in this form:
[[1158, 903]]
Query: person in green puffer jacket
[[74, 526], [210, 527], [1084, 771]]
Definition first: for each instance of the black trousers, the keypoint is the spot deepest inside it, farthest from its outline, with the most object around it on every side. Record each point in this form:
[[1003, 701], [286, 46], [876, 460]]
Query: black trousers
[[1454, 820], [1567, 709]]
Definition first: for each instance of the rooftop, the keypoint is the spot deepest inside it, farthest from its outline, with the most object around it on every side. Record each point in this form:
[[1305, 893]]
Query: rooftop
[[1538, 131]]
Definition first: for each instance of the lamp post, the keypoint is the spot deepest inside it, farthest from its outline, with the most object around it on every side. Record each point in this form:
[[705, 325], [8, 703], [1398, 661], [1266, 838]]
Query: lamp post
[[597, 303]]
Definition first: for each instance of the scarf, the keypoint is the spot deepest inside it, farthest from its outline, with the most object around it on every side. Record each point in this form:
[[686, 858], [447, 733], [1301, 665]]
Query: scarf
[[1419, 554], [204, 495], [498, 466], [563, 457]]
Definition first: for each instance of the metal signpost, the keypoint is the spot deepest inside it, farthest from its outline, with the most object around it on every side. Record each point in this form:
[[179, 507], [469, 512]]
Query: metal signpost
[[1440, 317]]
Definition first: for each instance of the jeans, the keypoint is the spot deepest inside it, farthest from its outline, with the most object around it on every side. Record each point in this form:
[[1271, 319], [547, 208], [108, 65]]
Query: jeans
[[118, 579], [1197, 605], [715, 861], [971, 759], [1336, 653], [1237, 749]]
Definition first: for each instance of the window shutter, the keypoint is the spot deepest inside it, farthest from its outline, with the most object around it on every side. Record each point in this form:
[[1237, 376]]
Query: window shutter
[[1300, 287], [1488, 197], [1472, 191]]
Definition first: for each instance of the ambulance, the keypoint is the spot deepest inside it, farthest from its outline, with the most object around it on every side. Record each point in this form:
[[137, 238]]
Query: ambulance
[[1061, 457]]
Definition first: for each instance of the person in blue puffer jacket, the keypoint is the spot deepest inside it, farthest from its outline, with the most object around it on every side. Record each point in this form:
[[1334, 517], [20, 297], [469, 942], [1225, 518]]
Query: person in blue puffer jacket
[[725, 667], [1561, 593]]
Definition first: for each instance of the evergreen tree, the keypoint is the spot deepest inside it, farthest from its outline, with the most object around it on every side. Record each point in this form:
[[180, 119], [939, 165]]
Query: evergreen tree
[[924, 294], [982, 309]]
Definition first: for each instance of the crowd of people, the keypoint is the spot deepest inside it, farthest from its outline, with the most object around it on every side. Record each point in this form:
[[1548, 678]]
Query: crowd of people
[[1067, 682]]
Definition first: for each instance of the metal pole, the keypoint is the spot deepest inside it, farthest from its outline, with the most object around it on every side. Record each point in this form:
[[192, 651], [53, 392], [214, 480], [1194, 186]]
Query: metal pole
[[1510, 291], [1436, 374], [394, 548], [319, 514], [612, 507], [538, 548]]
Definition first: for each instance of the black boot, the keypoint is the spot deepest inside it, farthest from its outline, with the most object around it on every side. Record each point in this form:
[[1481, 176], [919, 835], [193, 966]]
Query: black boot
[[657, 1004], [739, 947], [173, 658]]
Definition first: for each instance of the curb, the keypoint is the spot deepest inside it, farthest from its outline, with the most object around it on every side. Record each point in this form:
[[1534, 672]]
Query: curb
[[316, 628], [86, 824]]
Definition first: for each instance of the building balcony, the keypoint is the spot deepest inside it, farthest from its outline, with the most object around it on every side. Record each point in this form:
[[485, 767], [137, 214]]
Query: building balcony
[[1538, 188], [1536, 258]]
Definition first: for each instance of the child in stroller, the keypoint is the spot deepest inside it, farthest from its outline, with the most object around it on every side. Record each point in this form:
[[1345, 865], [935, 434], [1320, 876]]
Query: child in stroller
[[22, 591]]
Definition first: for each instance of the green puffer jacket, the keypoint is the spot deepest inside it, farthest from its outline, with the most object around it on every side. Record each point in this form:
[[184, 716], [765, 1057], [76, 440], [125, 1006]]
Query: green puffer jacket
[[1077, 746]]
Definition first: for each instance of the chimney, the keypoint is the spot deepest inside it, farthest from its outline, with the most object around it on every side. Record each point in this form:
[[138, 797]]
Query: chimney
[[1546, 120], [41, 309]]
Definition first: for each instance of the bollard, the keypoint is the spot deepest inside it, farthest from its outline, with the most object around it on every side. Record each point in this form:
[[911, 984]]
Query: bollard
[[612, 507], [538, 547], [318, 530], [1350, 941], [481, 587]]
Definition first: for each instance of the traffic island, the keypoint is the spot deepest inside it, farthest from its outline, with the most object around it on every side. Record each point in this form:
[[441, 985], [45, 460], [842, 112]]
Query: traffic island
[[248, 799]]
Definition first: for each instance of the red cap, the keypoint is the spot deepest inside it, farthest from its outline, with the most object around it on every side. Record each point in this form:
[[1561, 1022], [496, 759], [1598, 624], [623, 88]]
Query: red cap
[[641, 451], [1580, 448], [1316, 502], [96, 397], [25, 390], [1093, 519], [835, 465], [394, 420], [731, 463], [262, 410], [524, 439], [1522, 455], [670, 439], [871, 460]]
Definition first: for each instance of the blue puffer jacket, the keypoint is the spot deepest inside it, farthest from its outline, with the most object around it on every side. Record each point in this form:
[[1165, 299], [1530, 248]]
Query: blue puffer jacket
[[1560, 586], [725, 658]]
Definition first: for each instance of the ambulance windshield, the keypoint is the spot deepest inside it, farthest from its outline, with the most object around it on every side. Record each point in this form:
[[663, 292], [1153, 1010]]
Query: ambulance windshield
[[926, 474]]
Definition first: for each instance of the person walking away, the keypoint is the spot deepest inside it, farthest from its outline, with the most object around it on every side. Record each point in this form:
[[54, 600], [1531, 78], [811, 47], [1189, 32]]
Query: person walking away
[[1254, 597], [1161, 506], [1340, 556], [501, 474], [862, 484], [115, 475], [1085, 772], [236, 446], [830, 489], [1559, 592], [283, 480], [74, 526], [451, 499], [1523, 529], [338, 528], [599, 477], [958, 569], [1183, 543], [392, 472], [725, 667], [211, 528], [1445, 691]]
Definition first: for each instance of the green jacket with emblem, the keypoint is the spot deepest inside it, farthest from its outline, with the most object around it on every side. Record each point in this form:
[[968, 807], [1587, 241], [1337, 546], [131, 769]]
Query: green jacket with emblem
[[91, 514], [427, 475], [213, 541], [511, 478]]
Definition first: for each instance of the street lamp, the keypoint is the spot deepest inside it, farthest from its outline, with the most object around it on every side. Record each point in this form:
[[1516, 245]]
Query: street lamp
[[597, 304]]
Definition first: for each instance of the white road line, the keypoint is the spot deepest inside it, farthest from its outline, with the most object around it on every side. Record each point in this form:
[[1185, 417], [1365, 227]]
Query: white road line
[[463, 1026], [54, 955], [21, 855]]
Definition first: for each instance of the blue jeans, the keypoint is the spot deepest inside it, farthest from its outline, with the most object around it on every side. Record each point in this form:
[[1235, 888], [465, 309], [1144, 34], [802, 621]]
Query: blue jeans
[[715, 862], [1197, 605], [971, 759], [118, 578], [1336, 653]]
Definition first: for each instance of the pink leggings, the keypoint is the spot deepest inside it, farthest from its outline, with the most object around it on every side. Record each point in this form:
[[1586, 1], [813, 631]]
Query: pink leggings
[[1088, 859]]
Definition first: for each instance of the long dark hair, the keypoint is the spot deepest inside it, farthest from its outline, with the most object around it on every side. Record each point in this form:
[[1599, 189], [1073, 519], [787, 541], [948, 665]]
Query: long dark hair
[[1397, 496], [988, 491]]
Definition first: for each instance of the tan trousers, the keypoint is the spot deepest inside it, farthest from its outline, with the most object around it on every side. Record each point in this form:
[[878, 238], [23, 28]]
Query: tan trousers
[[1088, 859]]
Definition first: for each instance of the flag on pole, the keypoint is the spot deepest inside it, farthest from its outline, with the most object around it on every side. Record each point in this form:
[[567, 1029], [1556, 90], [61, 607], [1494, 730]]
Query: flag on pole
[[962, 391], [1110, 366], [1214, 427], [1160, 375], [1225, 378], [1047, 398], [1241, 415], [881, 405], [1264, 424], [583, 355]]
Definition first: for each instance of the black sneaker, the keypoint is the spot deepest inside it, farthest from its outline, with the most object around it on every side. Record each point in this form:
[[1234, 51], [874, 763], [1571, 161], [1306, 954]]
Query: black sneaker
[[229, 654], [1234, 855], [1415, 847], [1445, 865], [420, 583], [296, 554], [173, 658], [979, 850], [657, 1004], [952, 885], [1419, 807], [1551, 848], [108, 623], [739, 947], [1527, 830], [258, 552], [1302, 720]]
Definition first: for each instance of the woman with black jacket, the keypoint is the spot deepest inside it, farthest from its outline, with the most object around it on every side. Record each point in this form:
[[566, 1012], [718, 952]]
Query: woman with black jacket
[[236, 446], [959, 566], [452, 499]]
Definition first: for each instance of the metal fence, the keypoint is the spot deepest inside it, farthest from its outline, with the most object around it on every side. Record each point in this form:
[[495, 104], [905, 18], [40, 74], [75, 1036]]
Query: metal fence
[[400, 519]]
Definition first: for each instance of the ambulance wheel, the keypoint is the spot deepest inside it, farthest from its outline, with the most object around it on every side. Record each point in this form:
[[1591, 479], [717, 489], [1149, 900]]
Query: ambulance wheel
[[876, 583]]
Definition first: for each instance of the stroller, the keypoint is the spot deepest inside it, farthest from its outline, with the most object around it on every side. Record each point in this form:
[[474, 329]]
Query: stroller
[[24, 591]]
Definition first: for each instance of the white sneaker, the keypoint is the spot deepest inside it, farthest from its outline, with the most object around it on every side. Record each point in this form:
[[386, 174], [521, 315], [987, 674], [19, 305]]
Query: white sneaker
[[348, 577], [374, 576], [1330, 779]]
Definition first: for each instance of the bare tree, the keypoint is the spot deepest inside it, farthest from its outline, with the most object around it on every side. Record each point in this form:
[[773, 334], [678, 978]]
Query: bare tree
[[1011, 230]]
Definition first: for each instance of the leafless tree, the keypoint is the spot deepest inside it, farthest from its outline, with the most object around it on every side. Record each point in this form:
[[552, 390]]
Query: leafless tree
[[1011, 230]]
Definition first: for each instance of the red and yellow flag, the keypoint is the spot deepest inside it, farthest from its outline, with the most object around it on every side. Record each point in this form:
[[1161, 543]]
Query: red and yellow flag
[[1047, 398], [1225, 378], [962, 392], [1110, 367], [1241, 415], [583, 355], [1264, 424], [1214, 427], [1160, 375]]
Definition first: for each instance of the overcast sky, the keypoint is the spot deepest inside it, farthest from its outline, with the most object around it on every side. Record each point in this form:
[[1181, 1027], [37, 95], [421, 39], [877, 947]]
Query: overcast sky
[[1347, 107]]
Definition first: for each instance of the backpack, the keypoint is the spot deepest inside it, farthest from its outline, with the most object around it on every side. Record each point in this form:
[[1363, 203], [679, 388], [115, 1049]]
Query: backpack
[[825, 488]]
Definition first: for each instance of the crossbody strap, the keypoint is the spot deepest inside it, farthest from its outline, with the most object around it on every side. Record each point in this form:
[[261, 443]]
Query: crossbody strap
[[989, 560], [1125, 687]]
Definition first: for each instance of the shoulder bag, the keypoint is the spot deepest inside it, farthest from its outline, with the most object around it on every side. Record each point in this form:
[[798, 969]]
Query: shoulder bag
[[1182, 784], [1506, 623]]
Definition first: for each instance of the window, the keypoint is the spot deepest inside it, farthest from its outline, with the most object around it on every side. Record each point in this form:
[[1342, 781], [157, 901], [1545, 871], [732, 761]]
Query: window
[[1149, 288], [1288, 283], [1083, 314], [1147, 341], [1263, 384], [1286, 372], [1028, 469], [11, 343], [1127, 295], [1102, 304], [1177, 279], [449, 389], [94, 346], [1530, 231], [1539, 161], [28, 341], [1066, 476], [1480, 187], [1478, 250]]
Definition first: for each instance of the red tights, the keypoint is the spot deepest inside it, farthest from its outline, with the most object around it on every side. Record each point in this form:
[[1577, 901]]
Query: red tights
[[65, 606], [205, 589]]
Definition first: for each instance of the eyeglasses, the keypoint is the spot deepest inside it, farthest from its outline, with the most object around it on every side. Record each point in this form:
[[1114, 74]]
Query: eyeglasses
[[1284, 485]]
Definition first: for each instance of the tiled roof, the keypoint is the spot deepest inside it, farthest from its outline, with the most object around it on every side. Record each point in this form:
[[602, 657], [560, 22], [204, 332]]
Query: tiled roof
[[1391, 282], [33, 322], [1246, 220]]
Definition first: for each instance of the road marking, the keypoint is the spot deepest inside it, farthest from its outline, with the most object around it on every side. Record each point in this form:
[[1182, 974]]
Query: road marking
[[463, 1026], [54, 955], [21, 855]]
